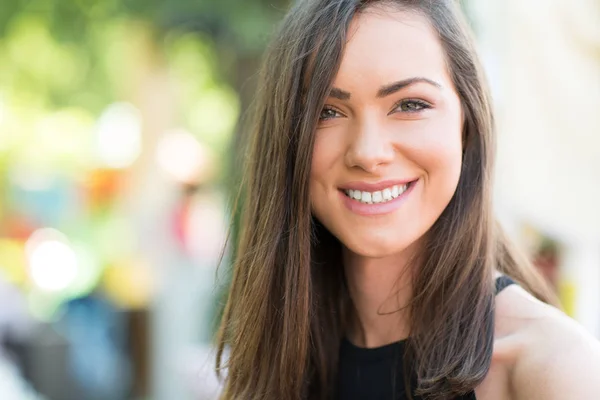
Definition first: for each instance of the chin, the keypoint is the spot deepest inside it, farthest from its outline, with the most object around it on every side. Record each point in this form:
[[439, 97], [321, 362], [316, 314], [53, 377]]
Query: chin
[[376, 247]]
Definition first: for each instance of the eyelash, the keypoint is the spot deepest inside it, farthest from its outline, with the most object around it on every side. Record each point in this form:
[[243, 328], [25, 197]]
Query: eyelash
[[328, 109], [422, 105]]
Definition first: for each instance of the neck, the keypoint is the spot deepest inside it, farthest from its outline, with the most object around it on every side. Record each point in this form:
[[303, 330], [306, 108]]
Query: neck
[[380, 289]]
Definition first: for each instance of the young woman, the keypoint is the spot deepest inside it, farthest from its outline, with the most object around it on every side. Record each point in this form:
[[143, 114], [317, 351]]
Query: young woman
[[369, 264]]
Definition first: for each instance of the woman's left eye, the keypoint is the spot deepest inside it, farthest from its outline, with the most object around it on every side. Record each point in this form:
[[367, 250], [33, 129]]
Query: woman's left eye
[[411, 106]]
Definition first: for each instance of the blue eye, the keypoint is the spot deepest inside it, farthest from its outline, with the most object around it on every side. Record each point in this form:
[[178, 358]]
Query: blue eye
[[411, 106], [328, 113]]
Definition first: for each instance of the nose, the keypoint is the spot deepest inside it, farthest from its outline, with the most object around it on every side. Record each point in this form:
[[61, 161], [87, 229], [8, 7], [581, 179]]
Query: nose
[[370, 148]]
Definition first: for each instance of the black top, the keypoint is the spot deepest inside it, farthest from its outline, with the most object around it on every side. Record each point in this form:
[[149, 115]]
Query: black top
[[378, 373]]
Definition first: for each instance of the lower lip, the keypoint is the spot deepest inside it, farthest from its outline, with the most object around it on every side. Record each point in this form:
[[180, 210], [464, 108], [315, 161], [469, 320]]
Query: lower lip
[[379, 208]]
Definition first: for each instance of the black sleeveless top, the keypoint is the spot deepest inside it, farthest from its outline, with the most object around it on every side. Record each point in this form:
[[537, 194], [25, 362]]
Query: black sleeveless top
[[378, 373]]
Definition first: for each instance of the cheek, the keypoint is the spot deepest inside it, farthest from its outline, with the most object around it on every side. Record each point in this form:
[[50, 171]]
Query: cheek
[[328, 154], [434, 149], [437, 148], [439, 154], [446, 154], [444, 168], [323, 162], [319, 159], [442, 159]]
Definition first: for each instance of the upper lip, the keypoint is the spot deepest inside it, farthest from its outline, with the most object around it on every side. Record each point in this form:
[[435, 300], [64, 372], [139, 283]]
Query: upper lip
[[374, 187]]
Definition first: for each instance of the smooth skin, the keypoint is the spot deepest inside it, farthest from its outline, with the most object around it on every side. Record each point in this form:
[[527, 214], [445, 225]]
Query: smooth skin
[[394, 114]]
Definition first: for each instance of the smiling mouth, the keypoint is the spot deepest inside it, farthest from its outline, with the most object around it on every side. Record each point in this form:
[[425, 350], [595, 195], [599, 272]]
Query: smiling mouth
[[380, 196]]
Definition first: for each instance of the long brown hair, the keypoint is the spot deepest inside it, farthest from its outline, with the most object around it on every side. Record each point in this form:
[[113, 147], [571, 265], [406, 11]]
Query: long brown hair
[[288, 306]]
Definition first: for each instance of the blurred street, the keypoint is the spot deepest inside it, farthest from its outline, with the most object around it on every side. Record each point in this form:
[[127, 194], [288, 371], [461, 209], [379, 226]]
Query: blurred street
[[119, 123]]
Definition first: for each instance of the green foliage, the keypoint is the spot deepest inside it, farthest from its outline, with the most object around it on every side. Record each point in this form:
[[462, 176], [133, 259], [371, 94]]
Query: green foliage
[[80, 55], [51, 47], [63, 61]]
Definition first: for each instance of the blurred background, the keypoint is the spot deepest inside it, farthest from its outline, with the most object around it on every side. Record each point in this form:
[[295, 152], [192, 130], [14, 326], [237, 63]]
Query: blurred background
[[118, 132]]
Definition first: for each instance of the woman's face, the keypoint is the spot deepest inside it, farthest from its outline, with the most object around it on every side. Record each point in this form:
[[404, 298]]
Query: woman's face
[[388, 150]]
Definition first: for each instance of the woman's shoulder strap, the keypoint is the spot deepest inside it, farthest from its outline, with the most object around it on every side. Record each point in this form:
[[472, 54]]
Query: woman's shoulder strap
[[502, 282]]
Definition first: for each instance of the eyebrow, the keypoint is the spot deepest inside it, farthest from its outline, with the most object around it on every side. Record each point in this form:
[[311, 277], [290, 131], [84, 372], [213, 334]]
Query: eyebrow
[[339, 94], [397, 86], [386, 90]]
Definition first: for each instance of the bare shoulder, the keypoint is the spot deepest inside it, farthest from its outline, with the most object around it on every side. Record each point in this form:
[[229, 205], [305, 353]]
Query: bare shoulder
[[547, 355]]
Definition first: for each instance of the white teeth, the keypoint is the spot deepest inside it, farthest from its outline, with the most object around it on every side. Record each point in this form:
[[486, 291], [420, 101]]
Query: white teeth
[[387, 194], [365, 197], [382, 196], [377, 197]]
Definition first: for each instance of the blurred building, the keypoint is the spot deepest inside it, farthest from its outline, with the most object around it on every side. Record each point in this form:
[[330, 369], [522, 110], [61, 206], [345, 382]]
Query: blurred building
[[543, 60]]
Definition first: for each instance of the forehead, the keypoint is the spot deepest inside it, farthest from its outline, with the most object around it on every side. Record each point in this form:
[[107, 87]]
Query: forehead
[[386, 44]]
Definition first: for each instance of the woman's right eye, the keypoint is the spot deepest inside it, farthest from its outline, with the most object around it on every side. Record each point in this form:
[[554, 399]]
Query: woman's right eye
[[328, 113]]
